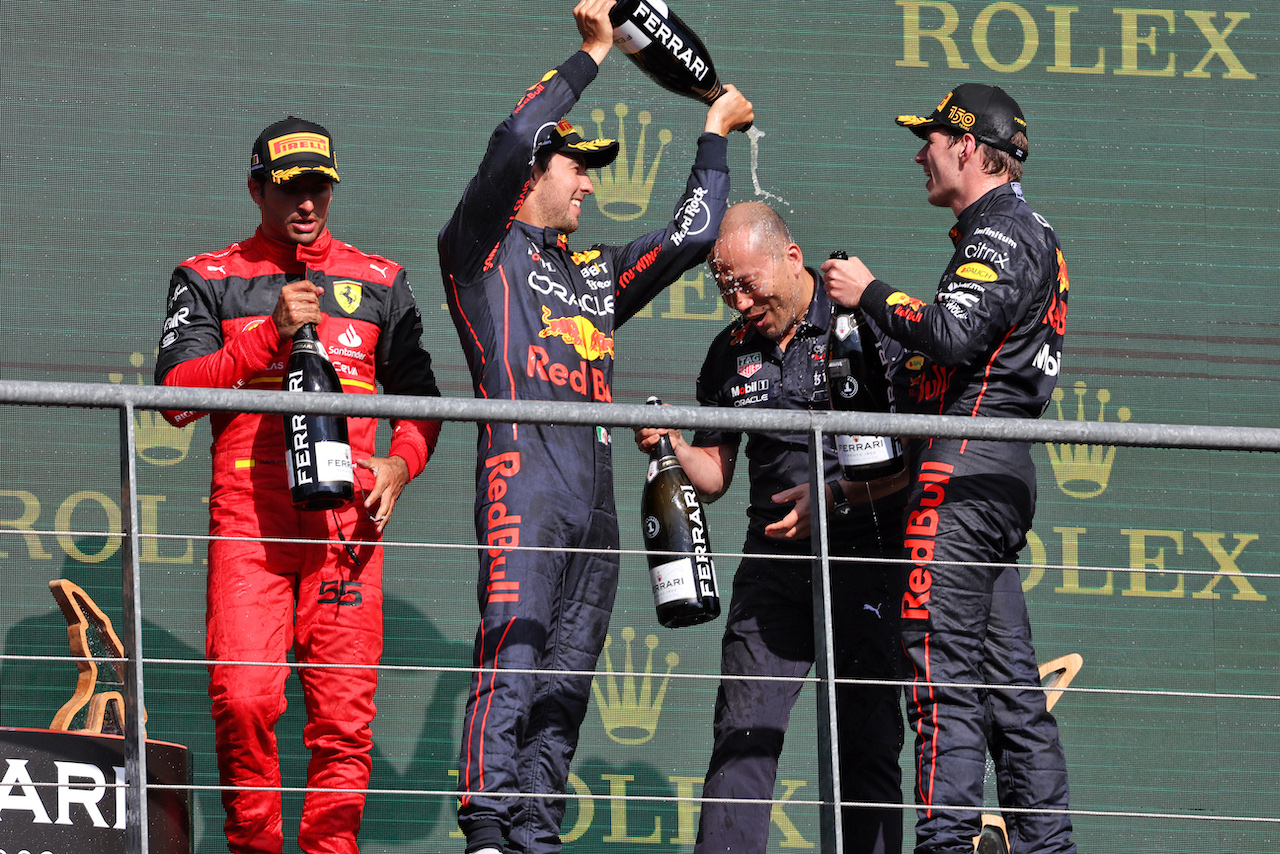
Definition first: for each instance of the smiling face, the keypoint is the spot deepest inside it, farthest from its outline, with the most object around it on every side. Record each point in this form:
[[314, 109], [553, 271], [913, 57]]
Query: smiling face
[[295, 211], [555, 199], [765, 281]]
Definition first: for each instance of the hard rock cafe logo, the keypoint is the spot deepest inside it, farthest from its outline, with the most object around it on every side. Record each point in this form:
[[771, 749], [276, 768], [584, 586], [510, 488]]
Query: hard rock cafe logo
[[624, 186], [1082, 471], [159, 442], [629, 707]]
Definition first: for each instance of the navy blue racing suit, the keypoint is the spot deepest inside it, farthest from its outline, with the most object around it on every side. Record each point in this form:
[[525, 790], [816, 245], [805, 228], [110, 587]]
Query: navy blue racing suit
[[537, 323], [769, 630], [990, 345]]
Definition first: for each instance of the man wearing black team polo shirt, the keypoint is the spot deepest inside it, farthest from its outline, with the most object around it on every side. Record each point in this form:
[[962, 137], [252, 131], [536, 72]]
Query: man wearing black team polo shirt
[[773, 357]]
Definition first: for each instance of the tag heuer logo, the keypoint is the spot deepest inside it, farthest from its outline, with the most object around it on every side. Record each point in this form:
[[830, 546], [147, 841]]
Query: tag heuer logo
[[844, 325], [749, 364]]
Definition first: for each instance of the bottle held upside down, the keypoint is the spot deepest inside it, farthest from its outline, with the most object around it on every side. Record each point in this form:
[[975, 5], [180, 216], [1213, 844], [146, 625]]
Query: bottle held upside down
[[665, 49]]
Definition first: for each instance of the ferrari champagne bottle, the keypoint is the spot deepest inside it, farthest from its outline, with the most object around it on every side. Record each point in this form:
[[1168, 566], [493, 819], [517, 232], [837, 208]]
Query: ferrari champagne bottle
[[685, 592], [316, 446], [665, 49], [858, 381]]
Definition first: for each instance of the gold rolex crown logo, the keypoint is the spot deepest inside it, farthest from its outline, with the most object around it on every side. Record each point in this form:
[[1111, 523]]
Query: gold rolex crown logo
[[1082, 471], [628, 706], [623, 188], [159, 442]]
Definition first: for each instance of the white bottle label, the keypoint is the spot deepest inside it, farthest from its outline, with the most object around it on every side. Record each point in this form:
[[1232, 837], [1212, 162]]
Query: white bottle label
[[672, 581], [630, 38], [862, 450], [333, 462]]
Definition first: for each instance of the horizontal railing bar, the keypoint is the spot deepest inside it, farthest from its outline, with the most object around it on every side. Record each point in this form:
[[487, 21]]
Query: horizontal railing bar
[[114, 395]]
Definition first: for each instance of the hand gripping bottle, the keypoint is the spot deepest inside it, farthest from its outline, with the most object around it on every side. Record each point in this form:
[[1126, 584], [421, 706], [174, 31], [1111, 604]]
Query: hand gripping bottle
[[665, 49], [858, 381], [316, 446], [684, 584]]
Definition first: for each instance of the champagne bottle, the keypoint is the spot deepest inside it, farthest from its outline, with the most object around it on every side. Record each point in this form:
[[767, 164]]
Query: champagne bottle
[[665, 49], [316, 446], [685, 592], [858, 381]]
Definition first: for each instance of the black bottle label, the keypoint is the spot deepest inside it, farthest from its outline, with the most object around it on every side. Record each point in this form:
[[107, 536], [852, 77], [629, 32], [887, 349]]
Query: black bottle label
[[688, 577], [681, 571]]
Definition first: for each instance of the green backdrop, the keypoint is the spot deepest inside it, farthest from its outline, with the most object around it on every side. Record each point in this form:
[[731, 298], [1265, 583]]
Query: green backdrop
[[125, 130]]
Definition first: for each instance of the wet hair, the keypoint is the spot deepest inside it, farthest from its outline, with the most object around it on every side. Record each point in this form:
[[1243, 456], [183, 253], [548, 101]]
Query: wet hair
[[764, 227]]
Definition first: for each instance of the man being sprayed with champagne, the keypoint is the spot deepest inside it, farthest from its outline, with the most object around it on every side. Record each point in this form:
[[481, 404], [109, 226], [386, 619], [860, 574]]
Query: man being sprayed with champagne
[[771, 357], [537, 322]]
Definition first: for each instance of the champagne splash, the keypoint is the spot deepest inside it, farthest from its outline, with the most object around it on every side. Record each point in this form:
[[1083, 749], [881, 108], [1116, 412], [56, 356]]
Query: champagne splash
[[753, 136]]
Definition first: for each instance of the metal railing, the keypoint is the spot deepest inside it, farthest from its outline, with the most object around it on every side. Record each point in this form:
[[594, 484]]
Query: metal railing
[[128, 399]]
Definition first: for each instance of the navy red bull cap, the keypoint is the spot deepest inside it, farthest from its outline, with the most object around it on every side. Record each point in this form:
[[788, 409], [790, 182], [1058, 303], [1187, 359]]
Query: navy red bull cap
[[595, 153], [293, 147], [987, 112]]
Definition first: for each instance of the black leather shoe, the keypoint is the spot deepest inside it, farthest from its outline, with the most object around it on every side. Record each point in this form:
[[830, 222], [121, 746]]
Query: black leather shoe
[[991, 841]]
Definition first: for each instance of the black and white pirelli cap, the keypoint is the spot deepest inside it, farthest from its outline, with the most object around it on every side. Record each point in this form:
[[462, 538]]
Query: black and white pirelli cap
[[987, 112]]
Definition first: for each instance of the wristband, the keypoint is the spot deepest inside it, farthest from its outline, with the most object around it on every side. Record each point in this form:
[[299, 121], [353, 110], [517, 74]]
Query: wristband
[[840, 505]]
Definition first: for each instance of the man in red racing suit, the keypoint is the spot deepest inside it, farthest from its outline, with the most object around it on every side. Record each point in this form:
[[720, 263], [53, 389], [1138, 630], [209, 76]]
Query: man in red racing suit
[[231, 317], [537, 322], [989, 346]]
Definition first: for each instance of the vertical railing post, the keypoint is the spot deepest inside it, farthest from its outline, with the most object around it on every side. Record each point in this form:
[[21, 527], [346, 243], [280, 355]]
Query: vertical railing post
[[135, 744], [831, 821]]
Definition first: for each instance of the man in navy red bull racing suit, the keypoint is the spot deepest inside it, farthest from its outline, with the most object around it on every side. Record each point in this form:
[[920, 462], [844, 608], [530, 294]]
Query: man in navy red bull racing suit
[[231, 317], [537, 322], [990, 345]]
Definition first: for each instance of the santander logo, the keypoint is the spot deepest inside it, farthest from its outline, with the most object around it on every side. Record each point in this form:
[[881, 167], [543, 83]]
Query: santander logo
[[350, 338]]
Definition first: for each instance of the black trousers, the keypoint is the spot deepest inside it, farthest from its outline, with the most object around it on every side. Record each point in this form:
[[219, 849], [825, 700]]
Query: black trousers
[[971, 503], [769, 632]]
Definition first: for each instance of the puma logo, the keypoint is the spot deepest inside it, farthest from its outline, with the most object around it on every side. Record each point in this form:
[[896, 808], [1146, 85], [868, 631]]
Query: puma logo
[[875, 609], [382, 271]]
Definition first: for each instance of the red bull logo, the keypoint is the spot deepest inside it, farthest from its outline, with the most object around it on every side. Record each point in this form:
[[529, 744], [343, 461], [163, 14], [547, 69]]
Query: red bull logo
[[578, 331], [931, 384], [905, 306], [921, 533], [1056, 315]]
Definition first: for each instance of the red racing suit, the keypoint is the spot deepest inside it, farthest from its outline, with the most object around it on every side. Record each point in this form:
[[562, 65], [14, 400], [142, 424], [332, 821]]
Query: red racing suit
[[323, 599], [537, 322], [990, 345]]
